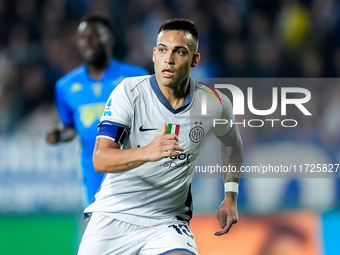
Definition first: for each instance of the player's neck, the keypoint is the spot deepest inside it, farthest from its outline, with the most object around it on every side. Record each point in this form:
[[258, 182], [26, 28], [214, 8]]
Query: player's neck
[[175, 96], [96, 70]]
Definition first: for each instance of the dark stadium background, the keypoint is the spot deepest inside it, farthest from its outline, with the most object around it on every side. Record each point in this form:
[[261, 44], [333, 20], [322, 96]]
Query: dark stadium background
[[40, 197]]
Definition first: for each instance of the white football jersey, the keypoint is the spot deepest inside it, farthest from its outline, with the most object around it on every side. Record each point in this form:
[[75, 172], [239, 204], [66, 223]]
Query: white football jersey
[[156, 192]]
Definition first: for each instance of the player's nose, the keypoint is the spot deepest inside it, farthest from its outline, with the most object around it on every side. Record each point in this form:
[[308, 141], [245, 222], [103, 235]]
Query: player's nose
[[87, 41], [169, 62], [169, 59]]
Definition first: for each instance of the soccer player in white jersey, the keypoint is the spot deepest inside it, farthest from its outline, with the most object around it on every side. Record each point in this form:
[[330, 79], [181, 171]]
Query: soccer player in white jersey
[[148, 141]]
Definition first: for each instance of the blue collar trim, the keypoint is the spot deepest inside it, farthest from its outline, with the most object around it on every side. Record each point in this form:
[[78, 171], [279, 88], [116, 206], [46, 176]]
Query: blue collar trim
[[164, 101]]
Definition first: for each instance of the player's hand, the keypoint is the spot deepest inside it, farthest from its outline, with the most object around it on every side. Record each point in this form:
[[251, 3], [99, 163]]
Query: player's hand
[[227, 215], [163, 145], [52, 135]]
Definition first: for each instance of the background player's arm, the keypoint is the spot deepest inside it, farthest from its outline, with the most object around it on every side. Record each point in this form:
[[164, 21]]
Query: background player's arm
[[60, 133], [231, 155], [109, 158]]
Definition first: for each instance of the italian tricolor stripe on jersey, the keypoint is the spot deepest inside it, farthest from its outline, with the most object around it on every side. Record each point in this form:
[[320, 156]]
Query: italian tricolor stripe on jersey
[[173, 129]]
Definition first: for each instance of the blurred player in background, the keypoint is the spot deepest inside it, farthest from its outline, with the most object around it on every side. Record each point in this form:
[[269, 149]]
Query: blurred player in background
[[144, 204], [82, 93]]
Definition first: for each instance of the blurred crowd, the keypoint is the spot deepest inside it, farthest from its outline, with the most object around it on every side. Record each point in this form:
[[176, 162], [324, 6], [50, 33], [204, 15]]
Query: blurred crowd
[[238, 38]]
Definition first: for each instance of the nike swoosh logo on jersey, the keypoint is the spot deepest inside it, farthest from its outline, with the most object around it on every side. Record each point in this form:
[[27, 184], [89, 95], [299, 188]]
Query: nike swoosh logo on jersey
[[141, 129]]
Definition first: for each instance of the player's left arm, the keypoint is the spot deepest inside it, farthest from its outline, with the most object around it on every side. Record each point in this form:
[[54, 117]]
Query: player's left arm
[[231, 157]]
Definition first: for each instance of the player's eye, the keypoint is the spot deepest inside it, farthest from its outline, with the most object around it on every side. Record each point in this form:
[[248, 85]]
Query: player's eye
[[161, 50]]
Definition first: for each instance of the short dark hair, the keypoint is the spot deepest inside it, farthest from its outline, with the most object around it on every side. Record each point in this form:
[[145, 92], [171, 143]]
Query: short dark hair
[[180, 24], [100, 19]]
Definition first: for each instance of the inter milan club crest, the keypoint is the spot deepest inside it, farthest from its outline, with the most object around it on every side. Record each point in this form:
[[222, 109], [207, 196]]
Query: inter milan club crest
[[196, 134]]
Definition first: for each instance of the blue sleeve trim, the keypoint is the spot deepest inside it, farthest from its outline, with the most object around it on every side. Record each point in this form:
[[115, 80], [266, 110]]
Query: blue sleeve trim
[[114, 124], [118, 134], [178, 250]]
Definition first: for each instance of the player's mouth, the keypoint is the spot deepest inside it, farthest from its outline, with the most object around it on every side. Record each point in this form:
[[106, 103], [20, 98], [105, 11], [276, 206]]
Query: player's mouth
[[167, 72], [88, 52]]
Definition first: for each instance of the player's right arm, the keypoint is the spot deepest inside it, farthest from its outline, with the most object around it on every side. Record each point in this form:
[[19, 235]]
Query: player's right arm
[[109, 158]]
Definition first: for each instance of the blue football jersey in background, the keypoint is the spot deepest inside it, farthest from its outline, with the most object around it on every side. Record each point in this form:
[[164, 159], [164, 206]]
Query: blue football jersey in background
[[81, 100]]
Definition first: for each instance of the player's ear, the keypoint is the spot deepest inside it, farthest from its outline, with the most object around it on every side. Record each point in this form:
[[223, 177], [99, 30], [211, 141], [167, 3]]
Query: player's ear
[[195, 59], [153, 54]]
